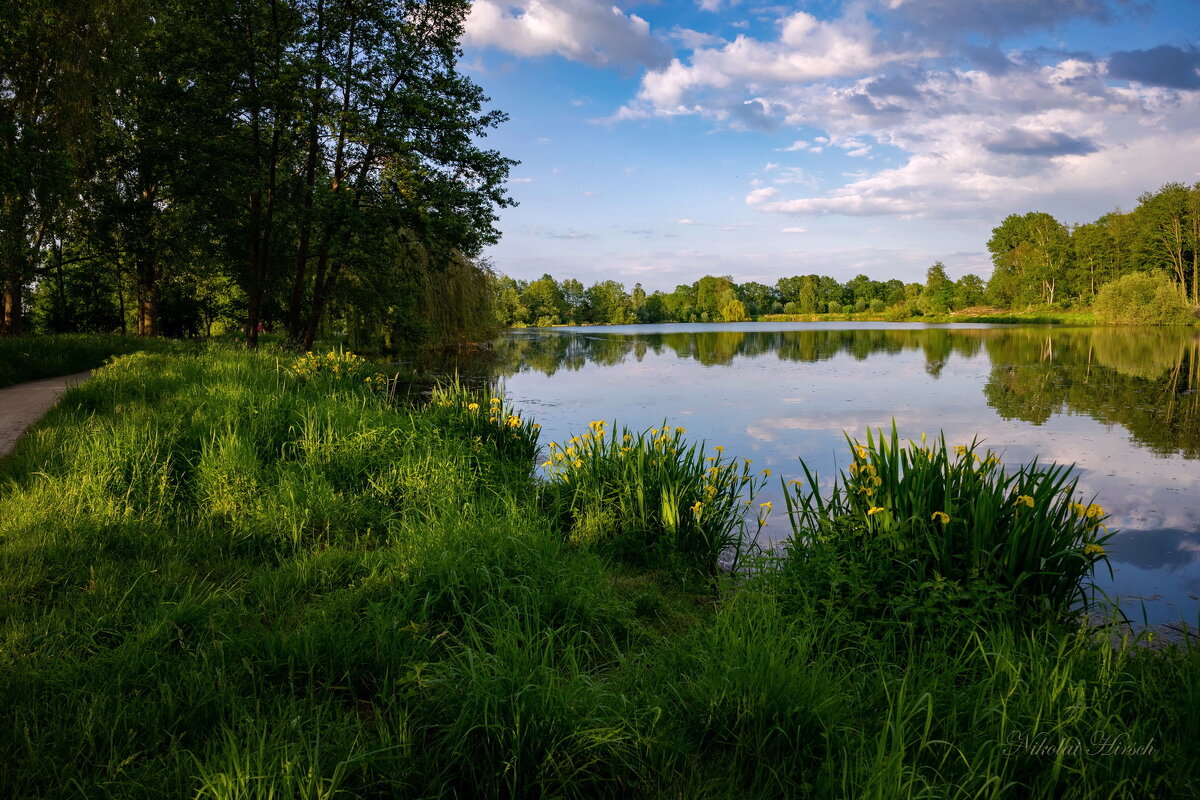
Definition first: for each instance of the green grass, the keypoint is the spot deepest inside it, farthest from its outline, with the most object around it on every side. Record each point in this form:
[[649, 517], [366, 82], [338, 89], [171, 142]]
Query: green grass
[[28, 358], [224, 577]]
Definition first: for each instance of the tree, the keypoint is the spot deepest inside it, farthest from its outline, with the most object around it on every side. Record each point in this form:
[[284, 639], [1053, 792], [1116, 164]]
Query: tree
[[1030, 255], [544, 300], [52, 69], [968, 291], [1164, 233], [936, 296]]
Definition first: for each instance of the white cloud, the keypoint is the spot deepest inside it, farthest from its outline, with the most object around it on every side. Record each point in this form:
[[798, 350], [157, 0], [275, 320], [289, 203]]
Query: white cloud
[[590, 31], [807, 50], [1053, 137], [794, 230]]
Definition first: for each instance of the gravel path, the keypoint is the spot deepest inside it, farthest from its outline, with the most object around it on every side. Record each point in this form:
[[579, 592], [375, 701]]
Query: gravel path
[[24, 404]]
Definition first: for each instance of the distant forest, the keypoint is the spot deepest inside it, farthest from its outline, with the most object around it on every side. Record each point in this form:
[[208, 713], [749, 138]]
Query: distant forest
[[181, 168], [1149, 256]]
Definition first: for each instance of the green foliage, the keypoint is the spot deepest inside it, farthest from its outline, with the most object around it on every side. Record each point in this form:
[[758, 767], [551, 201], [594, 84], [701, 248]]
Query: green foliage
[[651, 498], [218, 579], [485, 421], [29, 358], [924, 529], [1142, 298]]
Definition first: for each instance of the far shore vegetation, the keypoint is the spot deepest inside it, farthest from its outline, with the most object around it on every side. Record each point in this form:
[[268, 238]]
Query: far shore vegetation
[[233, 574], [1135, 268]]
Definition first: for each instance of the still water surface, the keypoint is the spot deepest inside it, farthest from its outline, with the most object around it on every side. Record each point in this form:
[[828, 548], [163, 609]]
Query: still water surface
[[1121, 404]]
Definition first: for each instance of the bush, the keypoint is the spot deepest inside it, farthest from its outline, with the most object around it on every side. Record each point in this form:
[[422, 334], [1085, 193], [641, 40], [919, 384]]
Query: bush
[[1142, 298], [921, 529]]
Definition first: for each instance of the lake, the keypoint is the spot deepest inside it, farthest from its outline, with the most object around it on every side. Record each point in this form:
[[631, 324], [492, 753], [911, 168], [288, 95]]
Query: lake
[[1121, 404]]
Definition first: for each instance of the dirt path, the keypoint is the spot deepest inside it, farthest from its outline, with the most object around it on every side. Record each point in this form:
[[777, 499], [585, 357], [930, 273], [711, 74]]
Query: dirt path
[[24, 404]]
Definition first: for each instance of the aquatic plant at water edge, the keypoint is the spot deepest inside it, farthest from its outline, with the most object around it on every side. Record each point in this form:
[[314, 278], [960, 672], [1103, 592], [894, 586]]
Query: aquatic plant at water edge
[[952, 523], [650, 497], [484, 418]]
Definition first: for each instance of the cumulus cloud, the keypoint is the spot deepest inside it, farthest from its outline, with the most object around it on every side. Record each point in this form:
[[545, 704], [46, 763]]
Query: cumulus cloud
[[805, 50], [982, 144], [1164, 65], [589, 31]]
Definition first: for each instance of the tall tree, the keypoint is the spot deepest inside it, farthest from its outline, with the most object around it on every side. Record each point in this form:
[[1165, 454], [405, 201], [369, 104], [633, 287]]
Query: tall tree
[[52, 67]]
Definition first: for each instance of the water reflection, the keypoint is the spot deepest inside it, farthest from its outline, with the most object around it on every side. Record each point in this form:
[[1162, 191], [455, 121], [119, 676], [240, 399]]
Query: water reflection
[[1123, 405]]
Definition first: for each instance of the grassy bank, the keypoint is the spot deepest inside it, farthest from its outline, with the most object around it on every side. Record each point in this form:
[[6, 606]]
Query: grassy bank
[[28, 358], [226, 575]]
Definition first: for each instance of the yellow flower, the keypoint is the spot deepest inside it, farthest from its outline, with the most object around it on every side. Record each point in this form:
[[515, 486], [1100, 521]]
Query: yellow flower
[[719, 449], [941, 516], [627, 438], [960, 450], [748, 461], [537, 427], [578, 464], [854, 469], [1093, 548], [767, 472], [766, 505], [875, 510], [1094, 511], [862, 451], [495, 401], [1026, 499], [878, 481], [473, 406], [680, 430], [696, 508]]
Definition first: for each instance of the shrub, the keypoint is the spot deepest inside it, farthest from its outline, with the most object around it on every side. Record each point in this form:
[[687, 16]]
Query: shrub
[[937, 529], [648, 497], [1142, 298]]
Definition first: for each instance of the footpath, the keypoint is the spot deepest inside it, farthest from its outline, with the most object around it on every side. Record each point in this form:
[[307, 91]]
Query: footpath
[[24, 404]]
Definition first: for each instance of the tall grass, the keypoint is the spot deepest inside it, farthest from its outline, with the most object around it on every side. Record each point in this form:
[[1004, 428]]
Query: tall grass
[[28, 358], [220, 578]]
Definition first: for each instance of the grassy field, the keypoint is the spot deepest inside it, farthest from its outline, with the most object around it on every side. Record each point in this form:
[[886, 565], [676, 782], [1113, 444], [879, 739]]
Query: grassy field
[[28, 358], [238, 575]]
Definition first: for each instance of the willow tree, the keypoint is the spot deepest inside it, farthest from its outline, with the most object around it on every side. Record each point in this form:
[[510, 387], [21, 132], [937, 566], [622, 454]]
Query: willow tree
[[395, 143]]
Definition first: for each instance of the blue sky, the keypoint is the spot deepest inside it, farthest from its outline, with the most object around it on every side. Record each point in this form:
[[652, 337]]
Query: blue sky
[[664, 141]]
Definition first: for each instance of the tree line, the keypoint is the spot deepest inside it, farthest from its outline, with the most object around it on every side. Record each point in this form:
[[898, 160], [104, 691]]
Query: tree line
[[1150, 255], [720, 299], [170, 167]]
